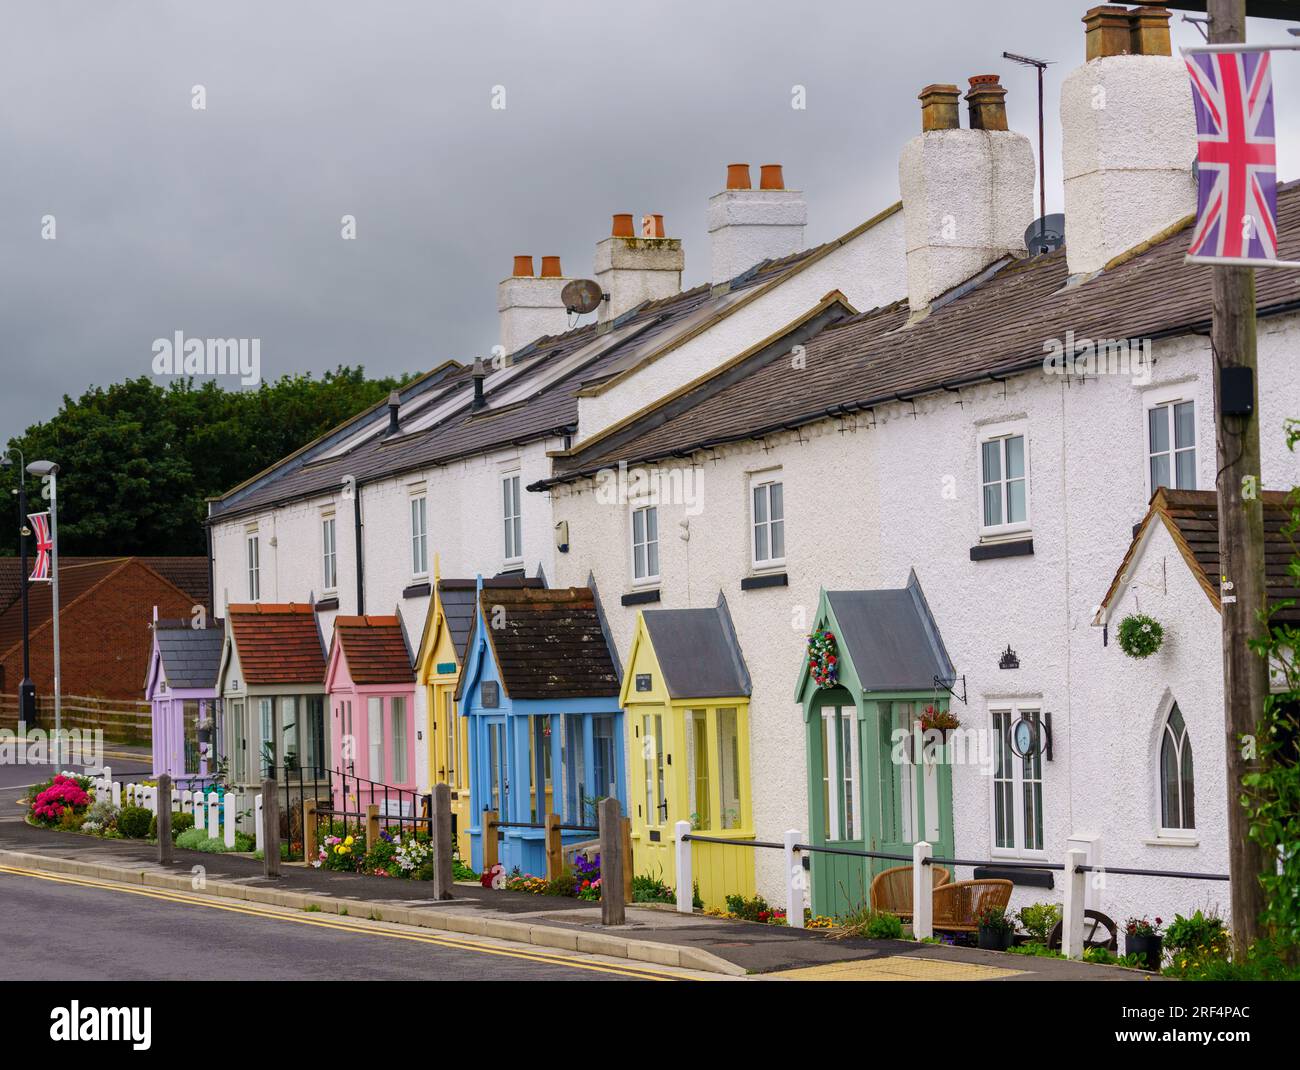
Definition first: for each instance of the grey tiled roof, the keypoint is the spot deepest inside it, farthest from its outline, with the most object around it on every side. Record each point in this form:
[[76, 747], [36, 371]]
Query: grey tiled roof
[[190, 656], [697, 652]]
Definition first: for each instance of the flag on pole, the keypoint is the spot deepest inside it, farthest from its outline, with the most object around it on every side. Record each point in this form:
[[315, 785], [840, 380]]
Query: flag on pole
[[41, 529], [1236, 211]]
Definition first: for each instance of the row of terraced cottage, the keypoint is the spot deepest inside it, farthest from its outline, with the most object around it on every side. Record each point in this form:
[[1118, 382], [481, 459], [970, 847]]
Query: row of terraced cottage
[[595, 568]]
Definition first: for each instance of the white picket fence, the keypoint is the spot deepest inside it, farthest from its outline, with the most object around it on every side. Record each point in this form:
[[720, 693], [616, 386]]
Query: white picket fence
[[217, 815]]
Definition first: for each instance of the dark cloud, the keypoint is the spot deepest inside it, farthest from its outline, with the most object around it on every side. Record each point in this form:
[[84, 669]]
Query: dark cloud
[[225, 222]]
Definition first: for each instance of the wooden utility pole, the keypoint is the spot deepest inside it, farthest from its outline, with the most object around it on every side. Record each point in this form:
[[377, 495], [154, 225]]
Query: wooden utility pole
[[1241, 551]]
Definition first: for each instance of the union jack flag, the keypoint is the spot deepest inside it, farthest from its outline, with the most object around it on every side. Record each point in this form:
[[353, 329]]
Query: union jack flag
[[1236, 212], [44, 543]]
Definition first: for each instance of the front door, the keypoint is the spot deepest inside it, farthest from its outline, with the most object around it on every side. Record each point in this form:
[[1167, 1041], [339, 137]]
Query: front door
[[653, 814]]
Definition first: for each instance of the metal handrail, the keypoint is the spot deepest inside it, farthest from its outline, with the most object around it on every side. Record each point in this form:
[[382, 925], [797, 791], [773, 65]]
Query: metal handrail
[[997, 863], [889, 856], [733, 843], [1126, 872]]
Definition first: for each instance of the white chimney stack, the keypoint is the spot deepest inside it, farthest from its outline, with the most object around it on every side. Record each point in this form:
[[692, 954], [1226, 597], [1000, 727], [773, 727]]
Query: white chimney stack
[[1128, 136], [748, 226], [530, 306], [632, 270], [968, 195]]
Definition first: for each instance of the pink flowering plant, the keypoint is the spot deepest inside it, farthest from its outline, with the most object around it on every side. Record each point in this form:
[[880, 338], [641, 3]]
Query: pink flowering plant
[[63, 793]]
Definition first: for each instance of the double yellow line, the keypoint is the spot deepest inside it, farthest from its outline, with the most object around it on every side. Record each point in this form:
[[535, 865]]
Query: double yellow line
[[349, 927]]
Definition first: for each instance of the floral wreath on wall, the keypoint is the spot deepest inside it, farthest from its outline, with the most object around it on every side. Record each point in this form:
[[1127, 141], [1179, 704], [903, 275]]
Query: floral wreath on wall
[[823, 658]]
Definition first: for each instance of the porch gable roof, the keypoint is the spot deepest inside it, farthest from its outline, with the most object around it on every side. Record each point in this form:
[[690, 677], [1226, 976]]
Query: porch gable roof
[[698, 653], [190, 658], [277, 643], [374, 649]]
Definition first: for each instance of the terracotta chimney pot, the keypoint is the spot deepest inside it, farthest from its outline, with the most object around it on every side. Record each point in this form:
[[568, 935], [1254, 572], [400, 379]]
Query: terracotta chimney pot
[[652, 226], [523, 267], [770, 176], [987, 100], [551, 267], [622, 225], [939, 107], [738, 176]]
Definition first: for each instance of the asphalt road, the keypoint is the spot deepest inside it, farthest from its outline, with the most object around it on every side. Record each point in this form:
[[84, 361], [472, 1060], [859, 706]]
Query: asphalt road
[[88, 932]]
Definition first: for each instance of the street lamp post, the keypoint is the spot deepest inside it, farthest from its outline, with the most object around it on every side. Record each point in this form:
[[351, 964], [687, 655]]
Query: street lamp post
[[49, 470], [26, 689]]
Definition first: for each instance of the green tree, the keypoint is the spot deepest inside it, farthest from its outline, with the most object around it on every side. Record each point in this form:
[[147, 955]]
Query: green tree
[[137, 459]]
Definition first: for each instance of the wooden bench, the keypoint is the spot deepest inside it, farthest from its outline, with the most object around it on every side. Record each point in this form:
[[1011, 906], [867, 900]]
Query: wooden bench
[[891, 890], [957, 906]]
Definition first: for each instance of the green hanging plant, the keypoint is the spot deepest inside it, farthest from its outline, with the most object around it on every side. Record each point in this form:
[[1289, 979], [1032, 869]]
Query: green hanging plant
[[1140, 636]]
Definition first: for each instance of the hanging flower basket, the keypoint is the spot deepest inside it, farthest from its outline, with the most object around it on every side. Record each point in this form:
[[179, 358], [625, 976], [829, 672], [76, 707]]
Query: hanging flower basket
[[943, 721], [823, 658], [1140, 636]]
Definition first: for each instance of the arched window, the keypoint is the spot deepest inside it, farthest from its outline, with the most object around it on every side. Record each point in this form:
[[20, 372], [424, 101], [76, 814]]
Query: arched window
[[1177, 809]]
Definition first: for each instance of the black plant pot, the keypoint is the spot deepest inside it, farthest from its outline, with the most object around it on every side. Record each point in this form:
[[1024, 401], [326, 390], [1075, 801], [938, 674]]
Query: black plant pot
[[994, 939], [1149, 947], [205, 735]]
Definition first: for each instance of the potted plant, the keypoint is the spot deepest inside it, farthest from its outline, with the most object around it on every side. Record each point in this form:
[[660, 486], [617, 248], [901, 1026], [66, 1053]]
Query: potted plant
[[1140, 636], [996, 929], [205, 731], [1142, 938], [942, 721]]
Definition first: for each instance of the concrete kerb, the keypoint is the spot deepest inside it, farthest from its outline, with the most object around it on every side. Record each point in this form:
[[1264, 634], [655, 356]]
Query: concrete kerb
[[608, 944]]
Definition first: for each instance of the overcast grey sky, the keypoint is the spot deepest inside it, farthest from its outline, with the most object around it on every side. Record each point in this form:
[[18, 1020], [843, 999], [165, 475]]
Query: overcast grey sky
[[225, 222]]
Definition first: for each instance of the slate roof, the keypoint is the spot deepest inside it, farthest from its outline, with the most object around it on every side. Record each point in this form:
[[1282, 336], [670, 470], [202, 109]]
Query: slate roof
[[890, 638], [375, 648], [457, 600], [630, 341], [550, 644], [1192, 520], [995, 328], [191, 657], [190, 574], [278, 643], [698, 652]]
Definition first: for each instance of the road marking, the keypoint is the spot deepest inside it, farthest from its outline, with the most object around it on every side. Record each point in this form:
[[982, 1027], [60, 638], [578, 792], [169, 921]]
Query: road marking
[[343, 926], [898, 968]]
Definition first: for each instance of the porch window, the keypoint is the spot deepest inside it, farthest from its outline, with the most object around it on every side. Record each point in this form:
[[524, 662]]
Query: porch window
[[1017, 788], [254, 568], [697, 768], [1171, 445], [729, 767], [397, 715], [573, 763], [315, 732], [645, 544], [419, 536], [494, 765], [1005, 504], [840, 764], [768, 518], [512, 519], [652, 753], [266, 713], [290, 742], [329, 554], [898, 785], [238, 740], [375, 737], [604, 760], [1177, 790], [539, 755], [451, 736], [190, 729]]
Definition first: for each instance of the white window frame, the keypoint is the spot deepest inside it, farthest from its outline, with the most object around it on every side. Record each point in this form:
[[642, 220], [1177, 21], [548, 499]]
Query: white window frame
[[1013, 709], [253, 564], [646, 511], [1165, 832], [832, 716], [1001, 433], [1166, 399], [765, 481], [329, 552], [419, 534], [512, 522]]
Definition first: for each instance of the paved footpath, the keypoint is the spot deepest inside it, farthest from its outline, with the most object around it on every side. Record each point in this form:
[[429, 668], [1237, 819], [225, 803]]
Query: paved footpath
[[653, 934]]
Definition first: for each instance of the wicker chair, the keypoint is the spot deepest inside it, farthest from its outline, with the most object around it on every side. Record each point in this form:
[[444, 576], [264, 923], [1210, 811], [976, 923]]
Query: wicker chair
[[891, 890], [958, 905]]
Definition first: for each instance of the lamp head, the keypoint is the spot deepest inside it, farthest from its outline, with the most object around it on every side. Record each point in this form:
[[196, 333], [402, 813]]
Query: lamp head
[[42, 468]]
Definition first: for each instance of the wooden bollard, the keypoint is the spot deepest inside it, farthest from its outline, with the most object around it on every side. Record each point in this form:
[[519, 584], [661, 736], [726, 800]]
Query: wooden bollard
[[554, 847], [489, 828], [165, 845], [271, 829], [613, 911], [372, 826], [309, 847], [440, 836]]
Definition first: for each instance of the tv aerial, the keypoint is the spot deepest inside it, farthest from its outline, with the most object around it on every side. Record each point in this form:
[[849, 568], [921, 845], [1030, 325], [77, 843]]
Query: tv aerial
[[581, 296]]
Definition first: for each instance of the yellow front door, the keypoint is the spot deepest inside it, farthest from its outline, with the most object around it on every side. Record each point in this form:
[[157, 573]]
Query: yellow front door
[[449, 756]]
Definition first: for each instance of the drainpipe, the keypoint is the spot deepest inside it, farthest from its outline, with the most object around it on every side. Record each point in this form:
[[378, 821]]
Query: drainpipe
[[361, 563]]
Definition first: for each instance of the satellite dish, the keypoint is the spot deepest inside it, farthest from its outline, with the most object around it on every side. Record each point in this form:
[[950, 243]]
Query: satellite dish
[[581, 296], [1045, 234]]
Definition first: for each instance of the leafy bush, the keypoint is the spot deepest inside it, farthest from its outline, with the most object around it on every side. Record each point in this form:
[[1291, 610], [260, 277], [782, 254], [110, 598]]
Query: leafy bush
[[62, 793], [1201, 934], [133, 822], [190, 839], [1039, 919], [102, 814], [862, 921], [1033, 950], [180, 822], [648, 889], [462, 872], [755, 909], [1265, 962]]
